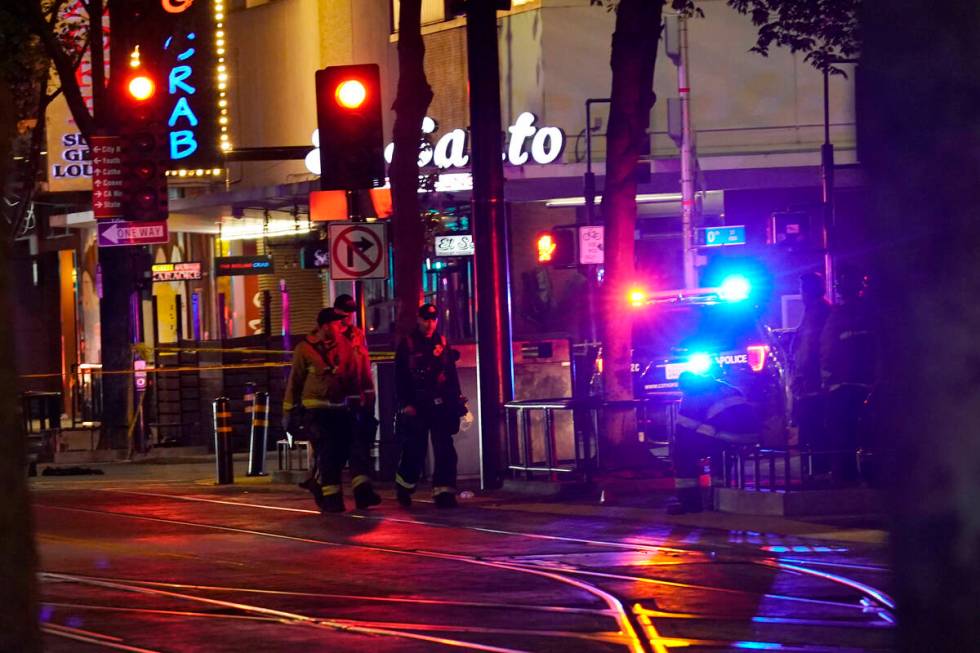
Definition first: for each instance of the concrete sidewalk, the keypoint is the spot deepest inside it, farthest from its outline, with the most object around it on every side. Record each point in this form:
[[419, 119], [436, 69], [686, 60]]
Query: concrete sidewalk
[[646, 506]]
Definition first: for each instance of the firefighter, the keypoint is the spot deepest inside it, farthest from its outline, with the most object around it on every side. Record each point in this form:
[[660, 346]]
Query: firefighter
[[805, 383], [362, 403], [712, 415], [321, 380], [847, 366], [429, 400]]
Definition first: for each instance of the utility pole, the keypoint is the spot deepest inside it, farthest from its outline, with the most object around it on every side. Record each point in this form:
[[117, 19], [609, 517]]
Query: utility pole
[[495, 363], [687, 162]]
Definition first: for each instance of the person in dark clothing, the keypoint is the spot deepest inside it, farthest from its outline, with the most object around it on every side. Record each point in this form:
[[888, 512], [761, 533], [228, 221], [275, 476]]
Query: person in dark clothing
[[362, 406], [809, 403], [712, 415], [848, 360], [429, 400]]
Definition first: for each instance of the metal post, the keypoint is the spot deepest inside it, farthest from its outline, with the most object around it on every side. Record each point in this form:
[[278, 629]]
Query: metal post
[[687, 162], [827, 183], [494, 354], [259, 436], [179, 314], [222, 441]]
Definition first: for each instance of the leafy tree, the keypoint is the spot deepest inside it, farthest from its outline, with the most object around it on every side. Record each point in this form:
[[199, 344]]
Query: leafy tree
[[825, 30], [411, 102]]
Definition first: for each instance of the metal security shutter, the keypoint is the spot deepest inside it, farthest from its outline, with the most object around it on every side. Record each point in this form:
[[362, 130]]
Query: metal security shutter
[[305, 287]]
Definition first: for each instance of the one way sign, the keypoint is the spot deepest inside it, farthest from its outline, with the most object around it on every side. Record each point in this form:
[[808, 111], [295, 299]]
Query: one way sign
[[358, 250]]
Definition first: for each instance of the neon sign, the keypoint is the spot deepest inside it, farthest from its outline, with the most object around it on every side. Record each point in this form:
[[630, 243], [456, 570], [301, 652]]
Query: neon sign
[[192, 59]]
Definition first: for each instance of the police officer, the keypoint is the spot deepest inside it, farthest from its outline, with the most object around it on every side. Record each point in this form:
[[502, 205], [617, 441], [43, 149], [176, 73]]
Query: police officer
[[429, 400], [321, 380], [848, 362], [712, 415], [362, 404], [809, 409]]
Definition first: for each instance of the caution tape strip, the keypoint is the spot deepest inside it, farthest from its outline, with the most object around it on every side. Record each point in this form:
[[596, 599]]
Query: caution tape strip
[[380, 357]]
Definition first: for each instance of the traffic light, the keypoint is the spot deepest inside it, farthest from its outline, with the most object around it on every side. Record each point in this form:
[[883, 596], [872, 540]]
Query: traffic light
[[348, 115], [558, 247], [144, 148]]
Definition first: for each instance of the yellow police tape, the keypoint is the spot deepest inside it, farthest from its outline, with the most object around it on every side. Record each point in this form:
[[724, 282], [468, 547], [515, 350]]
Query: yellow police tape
[[375, 358]]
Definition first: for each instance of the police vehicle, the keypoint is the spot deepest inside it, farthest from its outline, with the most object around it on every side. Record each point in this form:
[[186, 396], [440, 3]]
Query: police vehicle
[[714, 331]]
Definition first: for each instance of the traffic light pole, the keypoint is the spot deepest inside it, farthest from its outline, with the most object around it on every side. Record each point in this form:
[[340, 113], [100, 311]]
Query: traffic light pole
[[494, 350]]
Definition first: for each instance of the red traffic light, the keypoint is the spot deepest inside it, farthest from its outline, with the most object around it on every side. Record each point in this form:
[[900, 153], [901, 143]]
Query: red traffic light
[[141, 87], [546, 247], [351, 93]]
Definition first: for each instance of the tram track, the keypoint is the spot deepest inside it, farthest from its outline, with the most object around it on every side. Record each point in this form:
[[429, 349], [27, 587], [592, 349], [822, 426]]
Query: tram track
[[637, 631]]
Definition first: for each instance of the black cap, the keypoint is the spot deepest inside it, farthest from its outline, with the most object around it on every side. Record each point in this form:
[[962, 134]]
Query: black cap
[[328, 315], [345, 303], [428, 312]]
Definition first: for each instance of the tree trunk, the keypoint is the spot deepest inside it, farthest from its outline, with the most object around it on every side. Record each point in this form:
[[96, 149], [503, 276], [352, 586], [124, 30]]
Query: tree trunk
[[634, 53], [18, 560], [919, 130], [411, 103]]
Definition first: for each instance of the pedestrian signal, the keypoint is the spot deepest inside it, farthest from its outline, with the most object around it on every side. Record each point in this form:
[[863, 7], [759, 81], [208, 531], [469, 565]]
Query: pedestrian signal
[[348, 112], [558, 247]]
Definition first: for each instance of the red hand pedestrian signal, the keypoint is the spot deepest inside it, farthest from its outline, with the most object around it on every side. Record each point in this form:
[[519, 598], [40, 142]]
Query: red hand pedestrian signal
[[546, 247]]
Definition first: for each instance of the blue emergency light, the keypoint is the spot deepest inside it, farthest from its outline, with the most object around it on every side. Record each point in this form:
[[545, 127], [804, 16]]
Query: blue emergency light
[[735, 288]]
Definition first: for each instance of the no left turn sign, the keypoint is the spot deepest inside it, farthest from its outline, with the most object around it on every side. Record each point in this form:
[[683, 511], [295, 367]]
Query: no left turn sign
[[357, 251]]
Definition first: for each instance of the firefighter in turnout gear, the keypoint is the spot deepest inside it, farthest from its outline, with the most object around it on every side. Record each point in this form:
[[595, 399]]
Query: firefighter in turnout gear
[[848, 367], [323, 378], [365, 425], [712, 415], [429, 401]]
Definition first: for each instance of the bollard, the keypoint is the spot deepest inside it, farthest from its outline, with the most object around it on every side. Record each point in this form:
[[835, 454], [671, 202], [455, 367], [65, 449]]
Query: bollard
[[259, 436], [249, 398], [222, 441]]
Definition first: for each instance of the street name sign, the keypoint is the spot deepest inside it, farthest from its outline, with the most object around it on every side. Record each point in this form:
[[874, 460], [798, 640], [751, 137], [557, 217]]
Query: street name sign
[[119, 234], [358, 250], [722, 236], [107, 177]]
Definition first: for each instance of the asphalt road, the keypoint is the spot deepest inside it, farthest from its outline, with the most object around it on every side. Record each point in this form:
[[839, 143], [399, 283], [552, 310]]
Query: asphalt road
[[171, 564]]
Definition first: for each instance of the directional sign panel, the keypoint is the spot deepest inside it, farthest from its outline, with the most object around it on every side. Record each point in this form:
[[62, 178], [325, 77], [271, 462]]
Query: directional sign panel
[[358, 250], [118, 234], [107, 177]]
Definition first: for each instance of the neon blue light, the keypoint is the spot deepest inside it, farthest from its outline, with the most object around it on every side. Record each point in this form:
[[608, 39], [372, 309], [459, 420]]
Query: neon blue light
[[182, 144], [182, 108], [177, 76], [186, 54], [735, 288], [758, 646], [699, 363]]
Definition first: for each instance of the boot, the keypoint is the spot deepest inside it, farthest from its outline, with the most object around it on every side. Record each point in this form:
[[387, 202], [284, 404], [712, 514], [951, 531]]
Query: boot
[[445, 500], [688, 501], [404, 497], [365, 496], [314, 488], [333, 503]]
